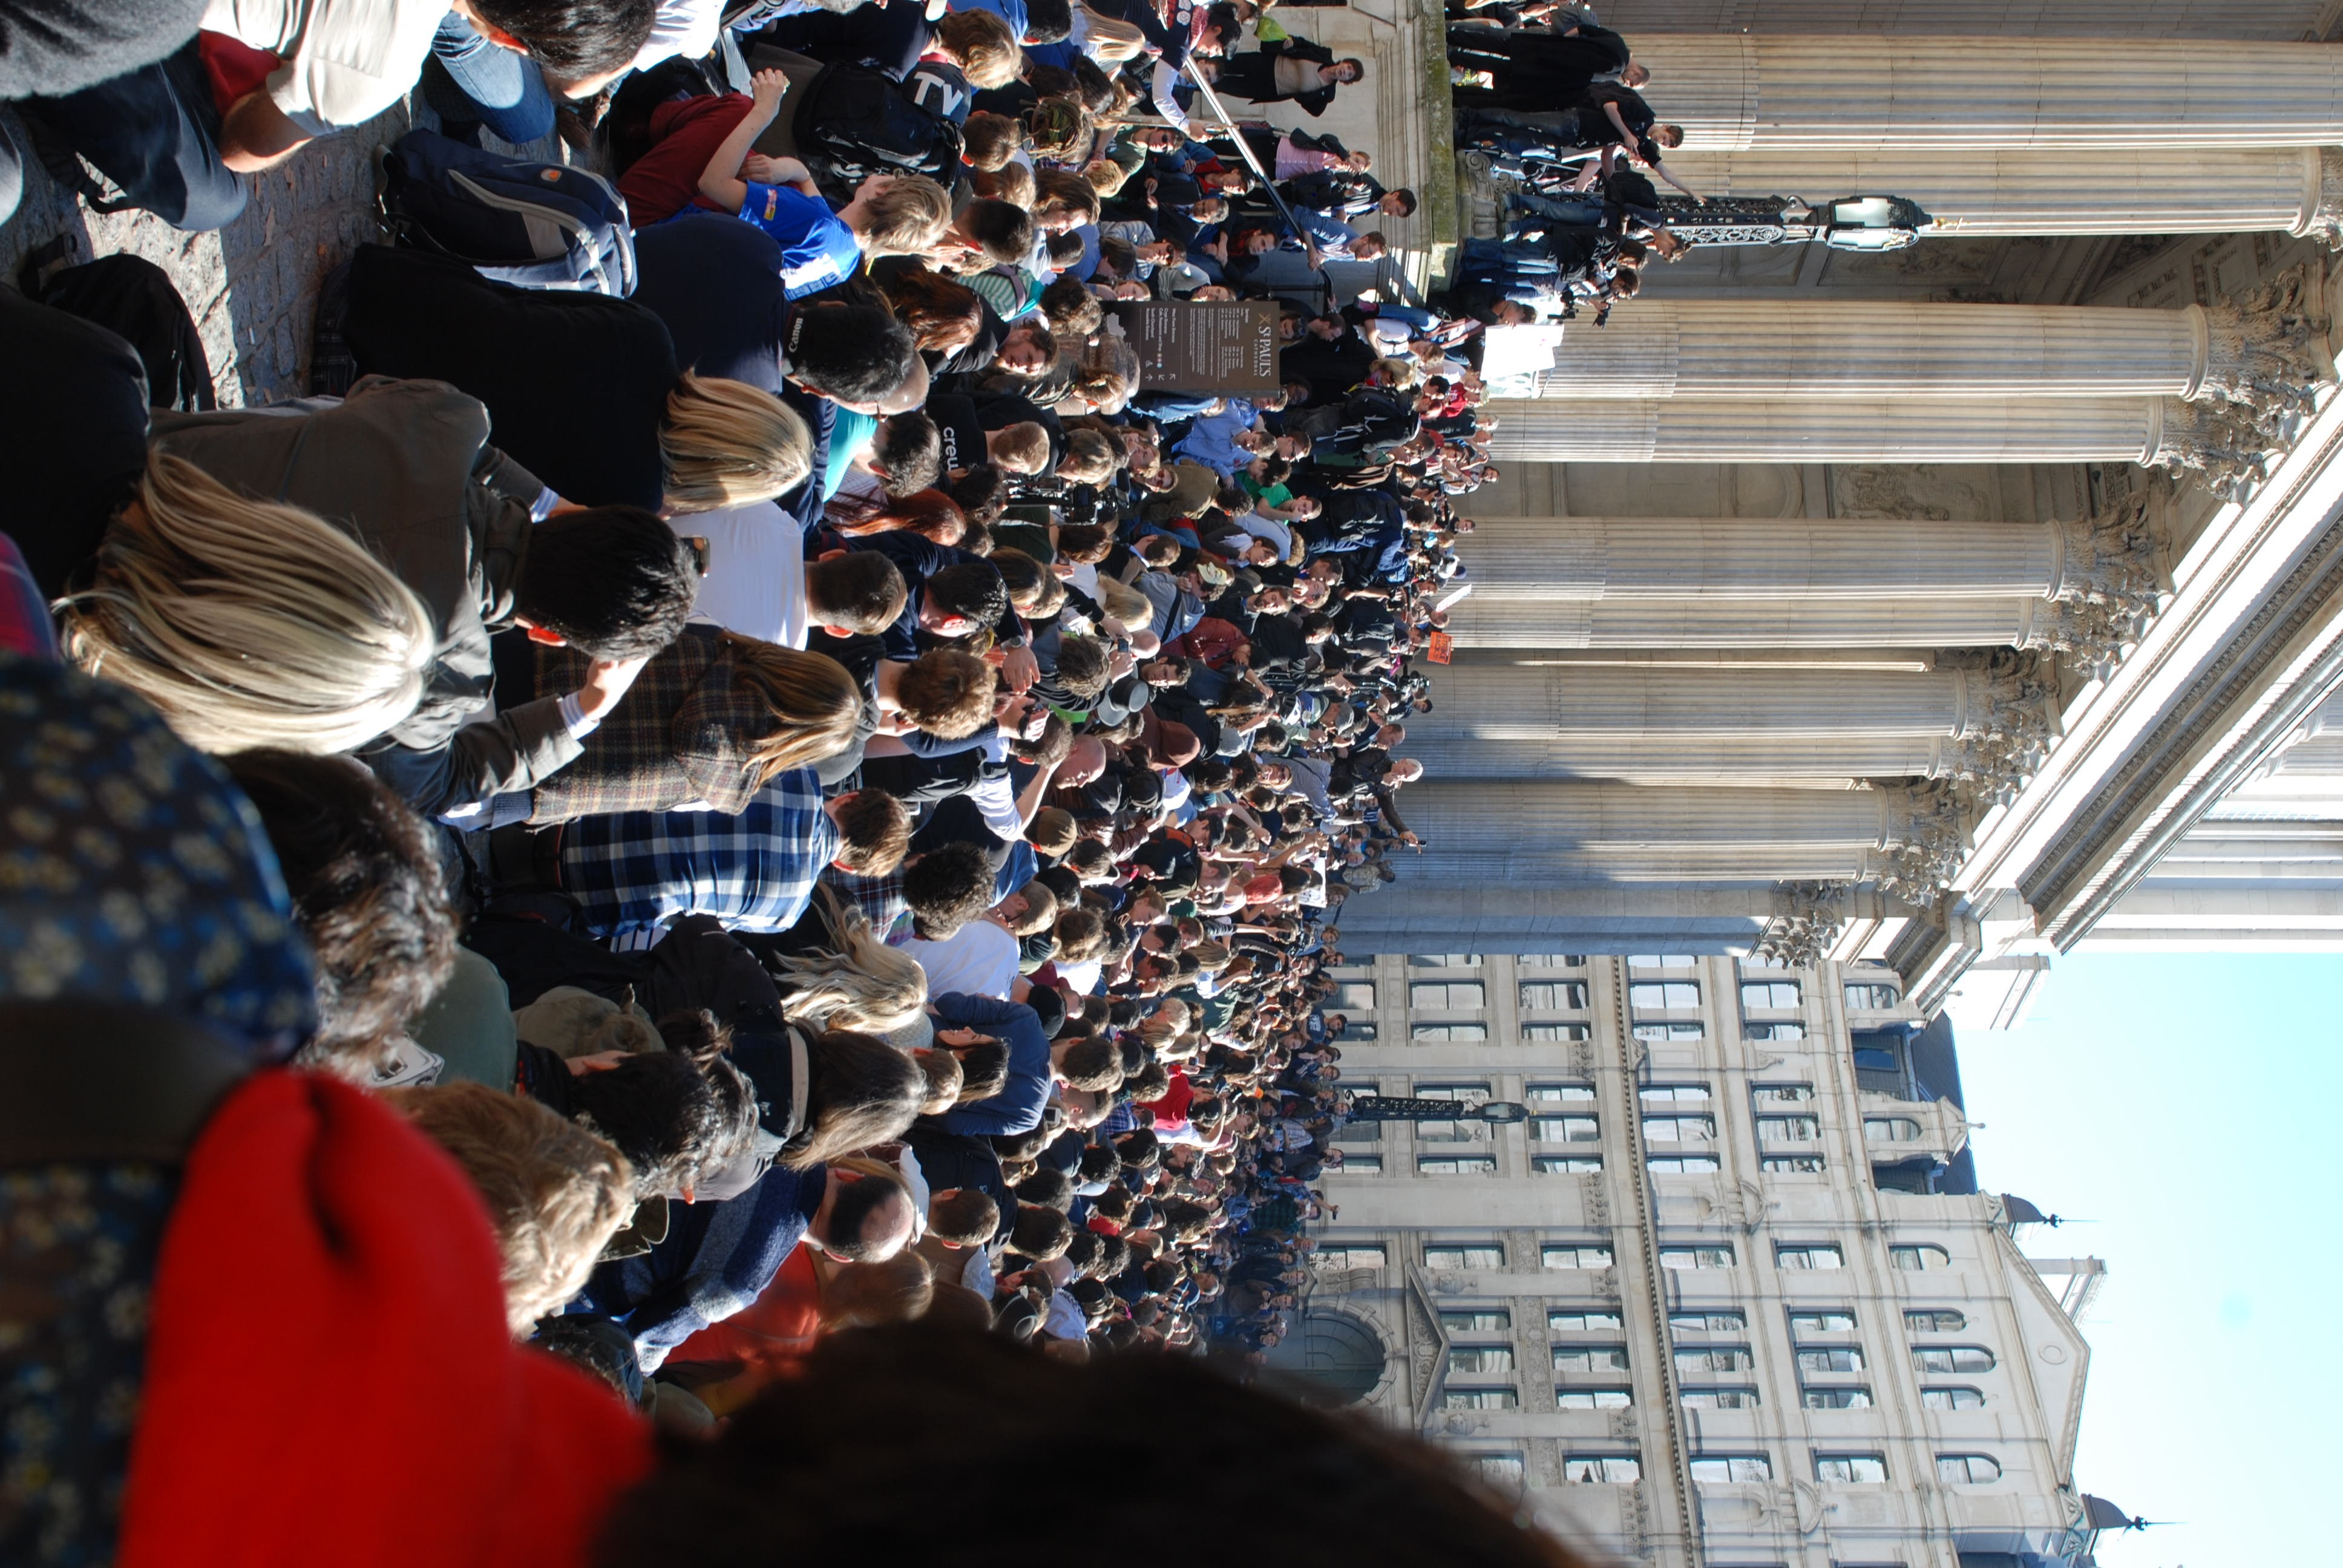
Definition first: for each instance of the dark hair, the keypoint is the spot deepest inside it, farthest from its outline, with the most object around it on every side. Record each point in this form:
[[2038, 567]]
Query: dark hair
[[613, 582], [1098, 1162], [1040, 1233], [365, 888], [1003, 229], [860, 1091], [911, 450], [1139, 1149], [573, 38], [1049, 1188], [675, 1119], [983, 1070], [852, 353], [1082, 667], [980, 493], [970, 590], [1408, 203], [856, 1201], [1048, 21], [1117, 255], [860, 589], [946, 887]]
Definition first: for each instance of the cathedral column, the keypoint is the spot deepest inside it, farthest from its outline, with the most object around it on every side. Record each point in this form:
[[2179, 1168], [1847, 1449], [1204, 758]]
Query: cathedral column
[[1810, 582], [2217, 441], [1814, 349], [1906, 837], [1984, 720], [1774, 91], [2000, 191]]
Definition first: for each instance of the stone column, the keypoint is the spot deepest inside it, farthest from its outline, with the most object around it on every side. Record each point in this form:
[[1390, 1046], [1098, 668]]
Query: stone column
[[2229, 449], [2113, 190], [2274, 20], [1424, 911], [1983, 721], [1869, 349], [1906, 837], [2080, 588], [1774, 91]]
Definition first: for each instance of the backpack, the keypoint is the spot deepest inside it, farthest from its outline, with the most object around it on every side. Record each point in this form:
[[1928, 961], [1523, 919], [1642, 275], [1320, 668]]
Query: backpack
[[537, 225], [854, 122]]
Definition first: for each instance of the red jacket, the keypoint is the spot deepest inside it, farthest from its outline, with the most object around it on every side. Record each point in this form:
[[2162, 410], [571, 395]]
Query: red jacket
[[328, 1374], [666, 179]]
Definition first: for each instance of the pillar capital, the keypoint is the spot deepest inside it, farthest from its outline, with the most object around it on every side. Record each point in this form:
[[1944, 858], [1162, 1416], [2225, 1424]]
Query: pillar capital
[[1926, 835], [2118, 557], [1808, 920], [2226, 446], [2262, 351], [2015, 719]]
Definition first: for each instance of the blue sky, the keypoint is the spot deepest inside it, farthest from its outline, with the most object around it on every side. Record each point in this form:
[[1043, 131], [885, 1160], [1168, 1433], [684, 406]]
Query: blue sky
[[2185, 1105]]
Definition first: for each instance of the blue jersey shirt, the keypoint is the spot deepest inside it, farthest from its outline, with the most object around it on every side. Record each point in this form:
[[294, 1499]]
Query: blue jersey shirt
[[818, 252]]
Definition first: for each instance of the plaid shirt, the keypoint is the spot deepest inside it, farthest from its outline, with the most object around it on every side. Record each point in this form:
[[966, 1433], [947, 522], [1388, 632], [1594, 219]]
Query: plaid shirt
[[880, 898], [755, 871]]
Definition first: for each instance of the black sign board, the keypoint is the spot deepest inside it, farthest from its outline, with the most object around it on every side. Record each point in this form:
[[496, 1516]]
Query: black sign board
[[1397, 1108], [1213, 345]]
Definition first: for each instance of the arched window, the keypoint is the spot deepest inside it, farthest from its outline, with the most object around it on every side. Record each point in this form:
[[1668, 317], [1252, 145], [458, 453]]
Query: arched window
[[1967, 1468], [1332, 1358], [1950, 1359], [1890, 1129], [1950, 1397], [1913, 1259], [1934, 1321]]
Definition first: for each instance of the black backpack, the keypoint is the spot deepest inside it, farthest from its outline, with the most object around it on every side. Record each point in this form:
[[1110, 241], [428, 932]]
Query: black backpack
[[853, 123]]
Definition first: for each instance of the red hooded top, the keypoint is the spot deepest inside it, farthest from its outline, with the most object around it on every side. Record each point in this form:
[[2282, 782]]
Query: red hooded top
[[328, 1373]]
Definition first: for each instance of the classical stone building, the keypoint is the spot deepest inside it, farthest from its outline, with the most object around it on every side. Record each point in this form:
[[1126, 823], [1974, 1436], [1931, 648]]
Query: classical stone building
[[1947, 607], [1728, 1295]]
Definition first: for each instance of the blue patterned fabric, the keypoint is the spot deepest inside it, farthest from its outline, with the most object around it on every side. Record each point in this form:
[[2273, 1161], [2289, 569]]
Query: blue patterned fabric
[[634, 871]]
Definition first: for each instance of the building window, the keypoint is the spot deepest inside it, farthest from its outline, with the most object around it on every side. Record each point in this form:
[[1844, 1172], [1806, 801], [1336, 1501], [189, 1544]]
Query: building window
[[1720, 1397], [1459, 1130], [1967, 1468], [1858, 1468], [1912, 1260], [1360, 1164], [1502, 1471], [1889, 1130], [1611, 1467], [1789, 1129], [1717, 1467], [1480, 1399], [1877, 1059], [1658, 996], [1782, 1093], [1661, 1033], [1449, 996], [1566, 1129], [1456, 1165], [1558, 1095], [1950, 1359], [1575, 1256], [1449, 1031], [1778, 1031], [1792, 1164], [1853, 1397], [1781, 994], [1835, 1358], [1934, 1321], [1355, 996], [1682, 1164], [1543, 1033], [1708, 1323], [1661, 961], [1570, 1320], [1872, 998], [1448, 1256], [1465, 1359], [1594, 1398], [1444, 960], [1566, 1164], [1809, 1255], [1672, 1094], [1551, 961], [1822, 1323], [1951, 1397], [1590, 1358], [1696, 1359], [1554, 996], [1477, 1320], [1354, 1032], [1696, 1257], [1680, 1129], [1351, 1257]]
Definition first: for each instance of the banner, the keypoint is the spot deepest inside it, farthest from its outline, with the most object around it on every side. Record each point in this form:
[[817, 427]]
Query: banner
[[1227, 346]]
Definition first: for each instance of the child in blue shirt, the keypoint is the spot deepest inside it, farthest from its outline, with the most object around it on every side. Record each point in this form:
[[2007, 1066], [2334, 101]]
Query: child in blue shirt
[[891, 214]]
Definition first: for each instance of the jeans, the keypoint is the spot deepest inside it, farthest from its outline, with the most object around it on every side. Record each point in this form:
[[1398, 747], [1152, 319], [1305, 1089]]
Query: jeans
[[494, 86], [1580, 209], [154, 133]]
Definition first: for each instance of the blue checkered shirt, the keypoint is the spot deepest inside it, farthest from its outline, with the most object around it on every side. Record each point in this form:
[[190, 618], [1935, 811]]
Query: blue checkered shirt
[[634, 871]]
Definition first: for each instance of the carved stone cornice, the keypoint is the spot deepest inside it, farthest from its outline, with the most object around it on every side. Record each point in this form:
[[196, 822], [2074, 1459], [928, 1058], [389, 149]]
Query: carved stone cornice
[[1808, 920], [2262, 355]]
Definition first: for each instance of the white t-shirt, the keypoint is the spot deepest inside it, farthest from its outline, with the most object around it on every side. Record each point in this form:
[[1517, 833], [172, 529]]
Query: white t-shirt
[[686, 28], [977, 960], [346, 61], [756, 571]]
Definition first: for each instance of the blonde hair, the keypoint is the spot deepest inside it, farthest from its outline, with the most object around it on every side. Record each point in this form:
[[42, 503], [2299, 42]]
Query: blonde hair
[[1111, 38], [247, 623], [1012, 183], [818, 703], [859, 982], [866, 1295], [1124, 603], [909, 215], [1106, 176], [1091, 459], [729, 444], [942, 1071], [988, 51], [555, 1192], [1397, 374]]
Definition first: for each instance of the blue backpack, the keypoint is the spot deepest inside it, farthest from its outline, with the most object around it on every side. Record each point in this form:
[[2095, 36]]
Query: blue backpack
[[540, 226]]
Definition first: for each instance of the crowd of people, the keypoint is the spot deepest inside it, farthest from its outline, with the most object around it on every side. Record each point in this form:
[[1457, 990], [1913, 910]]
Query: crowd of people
[[653, 827]]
